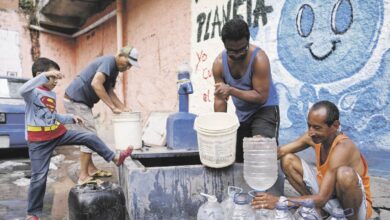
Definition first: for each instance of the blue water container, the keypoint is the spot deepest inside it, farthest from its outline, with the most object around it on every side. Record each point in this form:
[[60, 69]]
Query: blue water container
[[180, 131], [180, 126]]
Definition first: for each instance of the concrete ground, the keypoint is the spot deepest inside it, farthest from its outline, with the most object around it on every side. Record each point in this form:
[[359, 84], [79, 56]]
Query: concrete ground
[[14, 179]]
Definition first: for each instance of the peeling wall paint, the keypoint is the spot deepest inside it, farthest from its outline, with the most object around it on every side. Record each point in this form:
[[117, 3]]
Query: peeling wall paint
[[16, 51], [10, 62]]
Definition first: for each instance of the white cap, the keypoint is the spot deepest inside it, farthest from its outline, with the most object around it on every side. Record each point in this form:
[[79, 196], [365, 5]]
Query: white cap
[[132, 55]]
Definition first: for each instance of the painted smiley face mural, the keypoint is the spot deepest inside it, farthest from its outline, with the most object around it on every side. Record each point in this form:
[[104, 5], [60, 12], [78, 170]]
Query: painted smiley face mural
[[328, 40]]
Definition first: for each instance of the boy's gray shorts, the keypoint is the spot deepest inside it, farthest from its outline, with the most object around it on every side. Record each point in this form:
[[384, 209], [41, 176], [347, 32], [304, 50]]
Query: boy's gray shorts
[[310, 180], [85, 113]]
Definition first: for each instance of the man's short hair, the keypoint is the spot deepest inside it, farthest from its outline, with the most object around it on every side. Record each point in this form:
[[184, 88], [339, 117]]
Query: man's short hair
[[332, 112], [235, 29], [43, 64]]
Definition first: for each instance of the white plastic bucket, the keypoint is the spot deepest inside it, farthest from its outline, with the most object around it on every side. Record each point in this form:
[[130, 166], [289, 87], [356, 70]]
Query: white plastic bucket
[[127, 130], [217, 135], [216, 121]]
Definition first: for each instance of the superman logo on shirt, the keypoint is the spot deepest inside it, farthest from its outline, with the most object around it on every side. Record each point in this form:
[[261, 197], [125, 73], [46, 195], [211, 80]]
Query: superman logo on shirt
[[50, 103]]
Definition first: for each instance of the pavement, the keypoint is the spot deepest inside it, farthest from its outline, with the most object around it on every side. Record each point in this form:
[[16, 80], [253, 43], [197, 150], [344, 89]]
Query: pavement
[[14, 180]]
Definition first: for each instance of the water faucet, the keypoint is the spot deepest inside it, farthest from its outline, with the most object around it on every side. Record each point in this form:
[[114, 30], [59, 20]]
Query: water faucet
[[184, 86]]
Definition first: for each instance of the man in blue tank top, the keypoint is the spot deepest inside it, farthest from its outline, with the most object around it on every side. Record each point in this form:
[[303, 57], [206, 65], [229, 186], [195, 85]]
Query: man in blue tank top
[[94, 83], [242, 72]]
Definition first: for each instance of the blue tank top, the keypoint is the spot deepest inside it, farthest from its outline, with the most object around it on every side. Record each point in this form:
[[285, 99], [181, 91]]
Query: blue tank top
[[244, 109]]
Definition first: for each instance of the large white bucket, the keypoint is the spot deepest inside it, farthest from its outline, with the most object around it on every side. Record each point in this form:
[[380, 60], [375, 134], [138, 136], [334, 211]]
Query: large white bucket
[[217, 135], [127, 130]]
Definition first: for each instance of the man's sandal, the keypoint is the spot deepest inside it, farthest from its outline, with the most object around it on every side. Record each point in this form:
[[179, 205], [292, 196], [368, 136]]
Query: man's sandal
[[101, 173], [89, 180]]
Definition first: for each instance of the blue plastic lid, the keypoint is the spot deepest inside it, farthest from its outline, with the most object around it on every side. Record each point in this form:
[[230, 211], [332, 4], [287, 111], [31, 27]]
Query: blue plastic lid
[[254, 192], [337, 213], [233, 190], [340, 213], [310, 217], [281, 206], [308, 203], [242, 198]]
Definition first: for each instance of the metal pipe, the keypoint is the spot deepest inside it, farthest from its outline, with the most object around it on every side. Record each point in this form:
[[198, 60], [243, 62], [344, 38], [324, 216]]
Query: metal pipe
[[95, 24], [34, 27], [119, 38], [119, 24]]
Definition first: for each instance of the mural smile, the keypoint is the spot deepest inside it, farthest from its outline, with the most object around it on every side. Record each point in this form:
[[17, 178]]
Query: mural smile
[[322, 57]]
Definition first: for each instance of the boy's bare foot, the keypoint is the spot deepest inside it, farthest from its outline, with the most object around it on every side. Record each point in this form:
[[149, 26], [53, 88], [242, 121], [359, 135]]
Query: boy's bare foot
[[123, 155]]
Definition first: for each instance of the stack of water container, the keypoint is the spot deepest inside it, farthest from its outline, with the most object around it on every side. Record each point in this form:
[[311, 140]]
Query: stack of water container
[[235, 207], [306, 211]]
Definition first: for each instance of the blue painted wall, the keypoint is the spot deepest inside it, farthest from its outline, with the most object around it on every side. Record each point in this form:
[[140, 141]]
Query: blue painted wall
[[337, 50], [331, 48]]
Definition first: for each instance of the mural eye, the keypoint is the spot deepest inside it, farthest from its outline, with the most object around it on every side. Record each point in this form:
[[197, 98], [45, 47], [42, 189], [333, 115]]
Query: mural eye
[[342, 16], [305, 20]]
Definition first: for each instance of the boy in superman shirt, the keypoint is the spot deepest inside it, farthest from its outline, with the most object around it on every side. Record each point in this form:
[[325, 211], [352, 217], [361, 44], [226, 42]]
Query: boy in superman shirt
[[45, 130]]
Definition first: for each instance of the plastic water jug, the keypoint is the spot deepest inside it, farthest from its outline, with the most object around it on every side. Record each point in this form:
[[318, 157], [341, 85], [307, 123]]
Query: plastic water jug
[[105, 201], [306, 211], [340, 214], [262, 214], [228, 203], [211, 210], [127, 130], [282, 212], [242, 209], [260, 162]]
